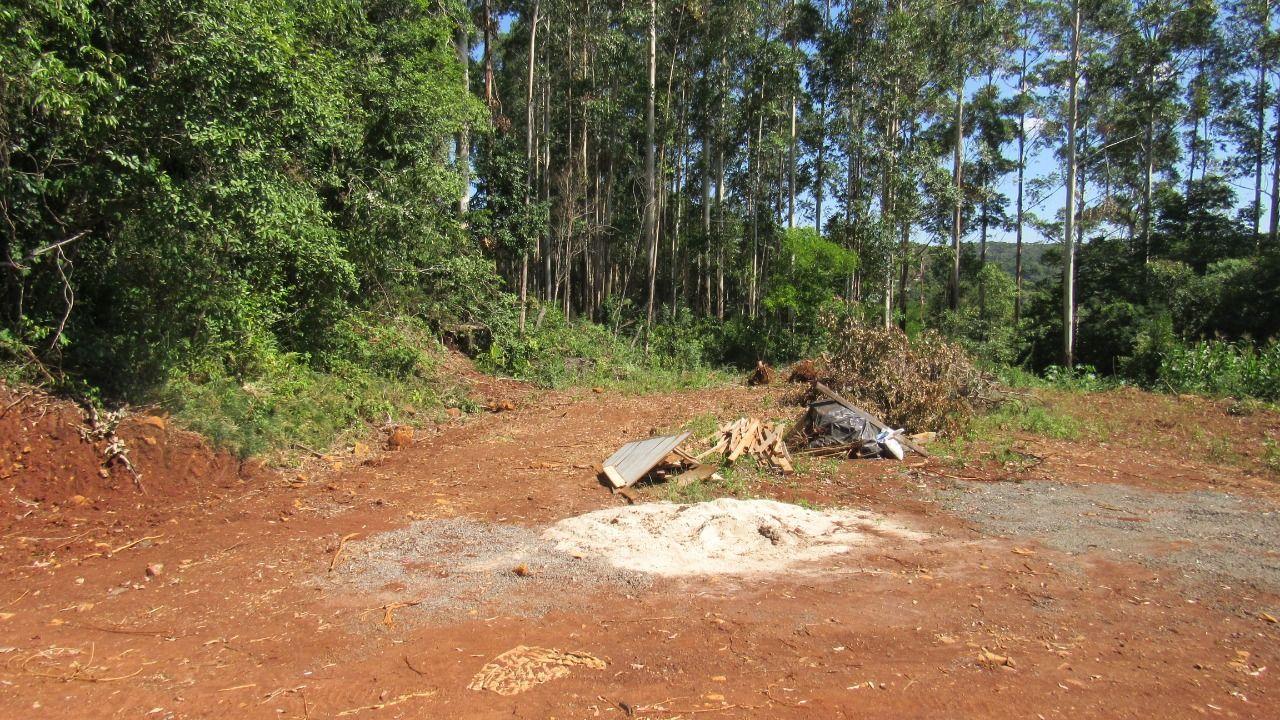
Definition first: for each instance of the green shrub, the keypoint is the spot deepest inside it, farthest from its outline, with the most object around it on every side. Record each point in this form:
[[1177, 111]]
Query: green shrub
[[374, 369], [1222, 368], [555, 352]]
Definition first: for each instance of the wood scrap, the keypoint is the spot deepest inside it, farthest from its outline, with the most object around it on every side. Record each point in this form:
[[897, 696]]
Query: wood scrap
[[702, 472], [341, 543], [762, 440]]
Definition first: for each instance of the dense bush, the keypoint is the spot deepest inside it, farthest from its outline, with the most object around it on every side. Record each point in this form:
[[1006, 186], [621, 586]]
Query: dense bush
[[555, 351], [222, 183], [1222, 369]]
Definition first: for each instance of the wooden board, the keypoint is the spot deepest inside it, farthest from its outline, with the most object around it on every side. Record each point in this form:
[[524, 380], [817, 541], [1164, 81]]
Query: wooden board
[[635, 459], [702, 472]]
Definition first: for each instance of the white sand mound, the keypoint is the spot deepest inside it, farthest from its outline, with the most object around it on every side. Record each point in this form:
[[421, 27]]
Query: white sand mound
[[723, 536]]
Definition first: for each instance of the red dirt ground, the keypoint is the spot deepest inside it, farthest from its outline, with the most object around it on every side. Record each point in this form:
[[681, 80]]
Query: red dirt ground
[[228, 629]]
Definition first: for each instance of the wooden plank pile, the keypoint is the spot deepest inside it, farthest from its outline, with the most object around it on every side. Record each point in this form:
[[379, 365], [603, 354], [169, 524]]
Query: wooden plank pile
[[762, 440]]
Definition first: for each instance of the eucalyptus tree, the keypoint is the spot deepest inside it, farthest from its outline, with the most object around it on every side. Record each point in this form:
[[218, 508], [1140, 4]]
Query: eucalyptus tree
[[1029, 50]]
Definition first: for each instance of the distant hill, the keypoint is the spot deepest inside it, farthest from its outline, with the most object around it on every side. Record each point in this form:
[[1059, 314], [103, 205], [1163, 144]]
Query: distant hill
[[1033, 266]]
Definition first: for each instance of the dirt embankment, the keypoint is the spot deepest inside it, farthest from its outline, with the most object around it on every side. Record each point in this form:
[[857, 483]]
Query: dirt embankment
[[55, 455]]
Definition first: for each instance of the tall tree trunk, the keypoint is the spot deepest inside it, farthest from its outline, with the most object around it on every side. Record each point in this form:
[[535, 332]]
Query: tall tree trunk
[[705, 263], [488, 55], [650, 173], [791, 168], [819, 169], [1274, 228], [753, 170], [720, 143], [957, 171], [1260, 112], [1150, 163], [463, 149], [1022, 169], [791, 146], [1068, 235], [529, 157]]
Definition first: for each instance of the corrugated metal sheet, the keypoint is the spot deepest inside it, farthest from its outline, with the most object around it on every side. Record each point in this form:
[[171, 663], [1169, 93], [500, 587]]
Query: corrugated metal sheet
[[635, 459]]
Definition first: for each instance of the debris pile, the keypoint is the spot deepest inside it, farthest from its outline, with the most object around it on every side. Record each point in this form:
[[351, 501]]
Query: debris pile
[[762, 440], [764, 374], [835, 426], [805, 371], [637, 459], [922, 383], [660, 456]]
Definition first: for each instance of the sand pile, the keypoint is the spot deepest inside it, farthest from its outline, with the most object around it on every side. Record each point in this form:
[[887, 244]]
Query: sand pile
[[725, 536]]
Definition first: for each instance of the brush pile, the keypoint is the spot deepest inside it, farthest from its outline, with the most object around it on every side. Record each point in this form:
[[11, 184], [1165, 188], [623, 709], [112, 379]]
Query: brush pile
[[754, 438], [925, 383], [805, 371], [764, 374]]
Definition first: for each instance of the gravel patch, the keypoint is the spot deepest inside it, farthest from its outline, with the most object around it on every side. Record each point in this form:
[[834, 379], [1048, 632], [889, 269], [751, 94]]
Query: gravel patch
[[1210, 536], [456, 566]]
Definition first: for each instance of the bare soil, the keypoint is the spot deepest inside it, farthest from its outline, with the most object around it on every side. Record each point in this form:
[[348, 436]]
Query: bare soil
[[1129, 578]]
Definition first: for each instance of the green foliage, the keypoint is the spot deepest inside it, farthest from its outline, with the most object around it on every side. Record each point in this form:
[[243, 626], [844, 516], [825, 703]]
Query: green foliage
[[808, 272], [504, 216], [555, 352], [230, 180], [1035, 418], [1223, 369], [984, 324], [289, 404], [1080, 378], [1271, 455]]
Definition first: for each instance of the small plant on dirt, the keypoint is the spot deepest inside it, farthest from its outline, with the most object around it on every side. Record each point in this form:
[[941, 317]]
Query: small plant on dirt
[[1011, 458], [955, 451], [1030, 417], [1220, 449], [1271, 455], [738, 480], [701, 426], [1247, 407]]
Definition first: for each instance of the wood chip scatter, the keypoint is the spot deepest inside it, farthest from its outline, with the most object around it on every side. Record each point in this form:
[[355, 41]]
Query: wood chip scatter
[[523, 667]]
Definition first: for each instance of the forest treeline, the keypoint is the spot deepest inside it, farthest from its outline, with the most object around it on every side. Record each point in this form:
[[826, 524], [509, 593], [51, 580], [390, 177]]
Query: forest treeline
[[220, 192]]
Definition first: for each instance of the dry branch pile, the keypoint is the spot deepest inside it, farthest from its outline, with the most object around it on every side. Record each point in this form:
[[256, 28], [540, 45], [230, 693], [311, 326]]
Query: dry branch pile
[[921, 383], [760, 440], [764, 374], [804, 371]]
